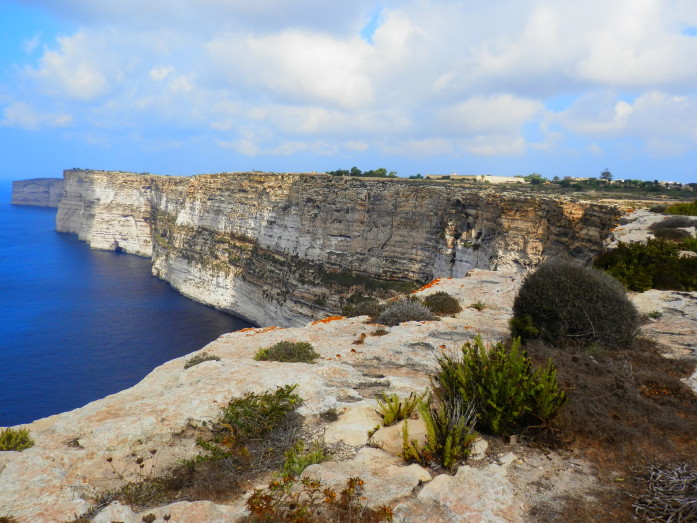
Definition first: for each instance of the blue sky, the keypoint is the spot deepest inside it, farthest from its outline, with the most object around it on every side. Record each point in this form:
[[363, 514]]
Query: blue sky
[[415, 86]]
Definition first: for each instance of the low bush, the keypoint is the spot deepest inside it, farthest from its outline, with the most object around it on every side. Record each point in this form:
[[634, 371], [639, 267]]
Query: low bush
[[566, 302], [370, 307], [685, 209], [200, 358], [442, 303], [302, 455], [508, 391], [288, 351], [405, 309], [673, 235], [673, 222], [15, 439], [449, 433], [310, 502], [478, 305], [392, 408], [653, 265], [247, 420]]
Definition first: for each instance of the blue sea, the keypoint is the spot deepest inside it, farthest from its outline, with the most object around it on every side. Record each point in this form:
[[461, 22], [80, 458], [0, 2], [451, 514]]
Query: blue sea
[[78, 324]]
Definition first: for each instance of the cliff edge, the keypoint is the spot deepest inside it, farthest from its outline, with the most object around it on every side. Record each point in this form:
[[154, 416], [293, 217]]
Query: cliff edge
[[39, 192], [283, 249]]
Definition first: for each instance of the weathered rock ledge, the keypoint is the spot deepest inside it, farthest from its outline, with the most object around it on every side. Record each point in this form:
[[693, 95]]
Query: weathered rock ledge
[[283, 249], [59, 477], [39, 192]]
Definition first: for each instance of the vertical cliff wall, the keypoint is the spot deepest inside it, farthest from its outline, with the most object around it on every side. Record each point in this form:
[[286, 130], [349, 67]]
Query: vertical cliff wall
[[40, 192], [286, 248]]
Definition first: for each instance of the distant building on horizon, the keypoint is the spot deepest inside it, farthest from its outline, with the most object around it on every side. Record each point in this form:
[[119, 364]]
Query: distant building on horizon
[[486, 178]]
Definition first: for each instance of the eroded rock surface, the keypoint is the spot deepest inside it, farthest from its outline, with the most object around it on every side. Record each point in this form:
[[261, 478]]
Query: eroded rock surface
[[283, 249], [66, 470], [38, 192]]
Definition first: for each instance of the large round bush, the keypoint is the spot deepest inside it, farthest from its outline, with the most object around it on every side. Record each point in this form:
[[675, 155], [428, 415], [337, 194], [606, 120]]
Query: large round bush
[[566, 302]]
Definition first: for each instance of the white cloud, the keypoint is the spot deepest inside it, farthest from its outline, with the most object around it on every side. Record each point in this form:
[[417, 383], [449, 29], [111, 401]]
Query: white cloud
[[478, 115], [160, 73], [440, 77], [20, 114], [75, 70]]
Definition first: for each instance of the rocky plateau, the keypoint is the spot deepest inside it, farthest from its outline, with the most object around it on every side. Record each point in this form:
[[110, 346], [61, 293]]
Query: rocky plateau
[[306, 227]]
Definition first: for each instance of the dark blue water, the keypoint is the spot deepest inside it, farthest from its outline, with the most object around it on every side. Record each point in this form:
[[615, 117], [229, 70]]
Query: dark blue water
[[78, 324]]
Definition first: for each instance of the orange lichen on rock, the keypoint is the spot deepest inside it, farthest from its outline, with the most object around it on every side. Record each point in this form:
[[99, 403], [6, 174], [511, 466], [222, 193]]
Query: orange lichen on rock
[[327, 320], [431, 284], [252, 331]]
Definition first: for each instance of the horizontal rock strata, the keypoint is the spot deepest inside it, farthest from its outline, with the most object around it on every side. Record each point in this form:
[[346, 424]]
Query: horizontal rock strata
[[282, 249], [39, 192]]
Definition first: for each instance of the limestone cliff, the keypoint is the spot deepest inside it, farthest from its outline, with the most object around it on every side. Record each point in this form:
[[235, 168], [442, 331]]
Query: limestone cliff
[[40, 192], [285, 248]]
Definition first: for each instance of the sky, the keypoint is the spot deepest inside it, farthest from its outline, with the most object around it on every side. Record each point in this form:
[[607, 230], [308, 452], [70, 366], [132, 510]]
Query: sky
[[501, 87]]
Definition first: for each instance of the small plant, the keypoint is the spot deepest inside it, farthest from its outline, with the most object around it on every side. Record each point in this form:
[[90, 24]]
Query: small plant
[[311, 502], [565, 302], [501, 381], [288, 351], [360, 340], [140, 487], [15, 439], [405, 309], [379, 332], [329, 415], [478, 305], [671, 495], [302, 455], [655, 315], [449, 433], [249, 417], [442, 303], [200, 358], [394, 409]]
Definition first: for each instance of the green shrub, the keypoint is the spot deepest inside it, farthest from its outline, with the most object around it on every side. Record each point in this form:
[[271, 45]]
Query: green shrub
[[369, 307], [405, 309], [673, 222], [288, 351], [15, 439], [449, 433], [653, 265], [442, 303], [501, 381], [565, 302], [478, 305], [200, 358], [247, 418], [394, 409], [254, 415], [685, 209], [301, 455], [673, 235]]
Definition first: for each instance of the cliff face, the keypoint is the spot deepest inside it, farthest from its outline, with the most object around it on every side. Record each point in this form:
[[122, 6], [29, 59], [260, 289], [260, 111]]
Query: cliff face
[[286, 248], [40, 192]]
